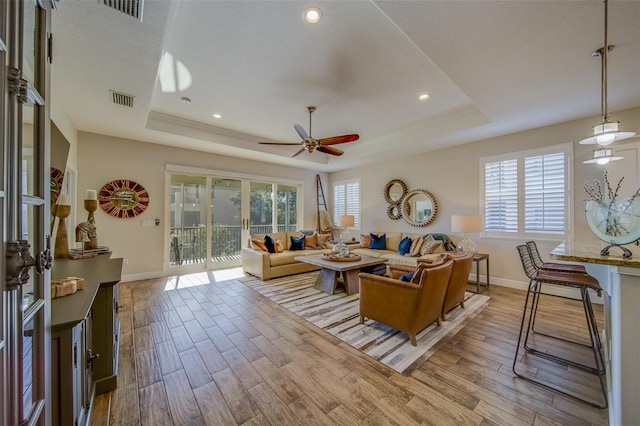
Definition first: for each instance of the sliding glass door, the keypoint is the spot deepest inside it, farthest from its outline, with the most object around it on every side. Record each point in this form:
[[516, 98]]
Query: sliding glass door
[[212, 216], [188, 233]]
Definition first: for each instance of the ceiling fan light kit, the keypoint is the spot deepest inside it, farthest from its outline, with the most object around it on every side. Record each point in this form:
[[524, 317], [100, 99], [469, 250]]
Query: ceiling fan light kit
[[310, 144], [607, 132]]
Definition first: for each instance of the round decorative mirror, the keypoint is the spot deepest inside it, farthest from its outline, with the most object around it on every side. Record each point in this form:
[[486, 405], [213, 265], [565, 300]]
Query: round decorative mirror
[[394, 212], [419, 207], [394, 191]]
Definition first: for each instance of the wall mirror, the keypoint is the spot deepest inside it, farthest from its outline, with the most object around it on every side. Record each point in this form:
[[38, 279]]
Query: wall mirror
[[394, 212], [394, 191], [419, 207]]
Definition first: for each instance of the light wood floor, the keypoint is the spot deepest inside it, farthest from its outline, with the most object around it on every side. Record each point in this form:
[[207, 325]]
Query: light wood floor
[[221, 354]]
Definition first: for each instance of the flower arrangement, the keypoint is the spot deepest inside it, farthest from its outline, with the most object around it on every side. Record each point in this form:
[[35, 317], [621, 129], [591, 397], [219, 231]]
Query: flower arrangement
[[615, 216]]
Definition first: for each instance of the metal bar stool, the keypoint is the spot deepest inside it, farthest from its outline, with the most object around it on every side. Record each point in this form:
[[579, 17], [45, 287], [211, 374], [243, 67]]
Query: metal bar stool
[[583, 282], [560, 267]]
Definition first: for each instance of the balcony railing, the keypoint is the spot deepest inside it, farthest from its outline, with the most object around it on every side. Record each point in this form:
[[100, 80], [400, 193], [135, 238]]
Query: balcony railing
[[189, 244]]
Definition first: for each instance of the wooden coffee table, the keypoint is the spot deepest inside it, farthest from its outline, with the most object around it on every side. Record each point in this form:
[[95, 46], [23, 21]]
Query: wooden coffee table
[[328, 278]]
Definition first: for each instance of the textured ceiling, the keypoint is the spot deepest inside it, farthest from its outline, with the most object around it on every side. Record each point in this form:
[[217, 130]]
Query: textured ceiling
[[490, 68]]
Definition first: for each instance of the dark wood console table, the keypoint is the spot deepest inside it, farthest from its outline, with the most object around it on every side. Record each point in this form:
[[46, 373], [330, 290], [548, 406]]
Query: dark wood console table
[[84, 337]]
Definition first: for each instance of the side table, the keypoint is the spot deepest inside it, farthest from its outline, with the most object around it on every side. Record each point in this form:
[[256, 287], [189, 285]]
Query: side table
[[477, 258]]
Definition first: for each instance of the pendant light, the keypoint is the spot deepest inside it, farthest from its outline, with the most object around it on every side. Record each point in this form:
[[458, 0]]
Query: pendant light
[[608, 131]]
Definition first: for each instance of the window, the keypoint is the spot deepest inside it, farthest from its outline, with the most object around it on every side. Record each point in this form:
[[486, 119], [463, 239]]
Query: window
[[527, 192], [346, 200]]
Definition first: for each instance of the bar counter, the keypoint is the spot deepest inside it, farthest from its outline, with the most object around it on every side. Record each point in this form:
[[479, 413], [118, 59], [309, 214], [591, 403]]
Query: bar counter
[[620, 280]]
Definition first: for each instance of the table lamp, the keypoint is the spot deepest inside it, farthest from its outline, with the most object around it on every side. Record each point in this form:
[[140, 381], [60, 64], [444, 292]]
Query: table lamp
[[466, 224], [345, 221], [341, 249]]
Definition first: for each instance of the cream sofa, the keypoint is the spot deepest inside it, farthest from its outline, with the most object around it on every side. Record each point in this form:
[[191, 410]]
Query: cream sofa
[[391, 252], [266, 265]]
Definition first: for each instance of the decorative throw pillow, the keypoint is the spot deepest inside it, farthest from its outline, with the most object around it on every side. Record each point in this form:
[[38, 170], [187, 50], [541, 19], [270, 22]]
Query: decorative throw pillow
[[311, 241], [323, 240], [297, 243], [404, 248], [378, 242], [365, 241], [416, 244], [258, 245], [270, 243], [430, 245], [278, 246], [408, 276]]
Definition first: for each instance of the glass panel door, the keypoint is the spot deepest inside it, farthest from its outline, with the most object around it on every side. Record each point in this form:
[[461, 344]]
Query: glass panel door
[[287, 208], [227, 233], [261, 208], [188, 232], [24, 215]]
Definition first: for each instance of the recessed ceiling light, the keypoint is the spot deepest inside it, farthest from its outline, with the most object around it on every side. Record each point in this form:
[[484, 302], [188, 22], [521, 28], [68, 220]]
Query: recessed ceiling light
[[423, 97], [186, 100], [312, 15], [217, 116]]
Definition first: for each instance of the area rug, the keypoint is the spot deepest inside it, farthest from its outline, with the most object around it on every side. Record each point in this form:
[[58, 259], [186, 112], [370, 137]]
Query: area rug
[[338, 314]]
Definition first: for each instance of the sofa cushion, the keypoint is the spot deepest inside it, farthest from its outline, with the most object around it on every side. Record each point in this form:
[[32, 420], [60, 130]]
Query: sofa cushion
[[378, 242], [297, 243], [431, 245], [284, 258], [270, 243], [311, 241], [394, 258], [393, 239], [407, 277], [404, 247], [416, 244], [258, 245]]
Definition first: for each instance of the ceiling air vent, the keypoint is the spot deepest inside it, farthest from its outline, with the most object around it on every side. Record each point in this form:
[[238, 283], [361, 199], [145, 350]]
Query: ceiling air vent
[[132, 8], [121, 99]]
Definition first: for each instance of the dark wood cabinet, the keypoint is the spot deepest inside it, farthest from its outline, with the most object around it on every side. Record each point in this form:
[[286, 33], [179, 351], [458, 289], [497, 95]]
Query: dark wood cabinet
[[84, 333]]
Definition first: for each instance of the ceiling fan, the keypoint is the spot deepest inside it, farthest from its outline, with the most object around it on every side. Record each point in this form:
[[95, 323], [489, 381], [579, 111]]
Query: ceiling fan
[[310, 144]]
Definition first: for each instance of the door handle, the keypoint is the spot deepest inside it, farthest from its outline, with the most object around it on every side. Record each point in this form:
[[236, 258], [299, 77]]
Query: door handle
[[19, 260]]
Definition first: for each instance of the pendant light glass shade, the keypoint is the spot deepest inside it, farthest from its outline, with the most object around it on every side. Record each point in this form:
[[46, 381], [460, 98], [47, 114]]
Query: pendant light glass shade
[[606, 133], [602, 156]]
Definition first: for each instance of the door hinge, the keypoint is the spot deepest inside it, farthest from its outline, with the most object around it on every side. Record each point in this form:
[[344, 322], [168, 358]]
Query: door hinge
[[50, 48]]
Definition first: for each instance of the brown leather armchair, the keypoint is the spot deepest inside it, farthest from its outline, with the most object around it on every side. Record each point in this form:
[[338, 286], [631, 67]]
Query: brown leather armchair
[[406, 306], [462, 264]]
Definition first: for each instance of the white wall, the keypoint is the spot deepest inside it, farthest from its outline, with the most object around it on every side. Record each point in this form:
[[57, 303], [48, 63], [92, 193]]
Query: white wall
[[452, 175], [103, 158]]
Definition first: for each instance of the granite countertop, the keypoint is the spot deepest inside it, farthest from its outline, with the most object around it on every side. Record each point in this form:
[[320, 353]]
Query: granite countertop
[[591, 254]]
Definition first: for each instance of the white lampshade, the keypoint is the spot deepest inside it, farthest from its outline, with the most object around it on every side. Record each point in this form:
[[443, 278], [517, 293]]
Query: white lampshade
[[466, 223], [606, 133], [602, 156], [346, 220]]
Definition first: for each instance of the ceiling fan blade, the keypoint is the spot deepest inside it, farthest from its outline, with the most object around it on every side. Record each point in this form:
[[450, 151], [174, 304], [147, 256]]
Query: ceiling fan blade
[[279, 143], [329, 150], [339, 139], [301, 132], [299, 152]]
